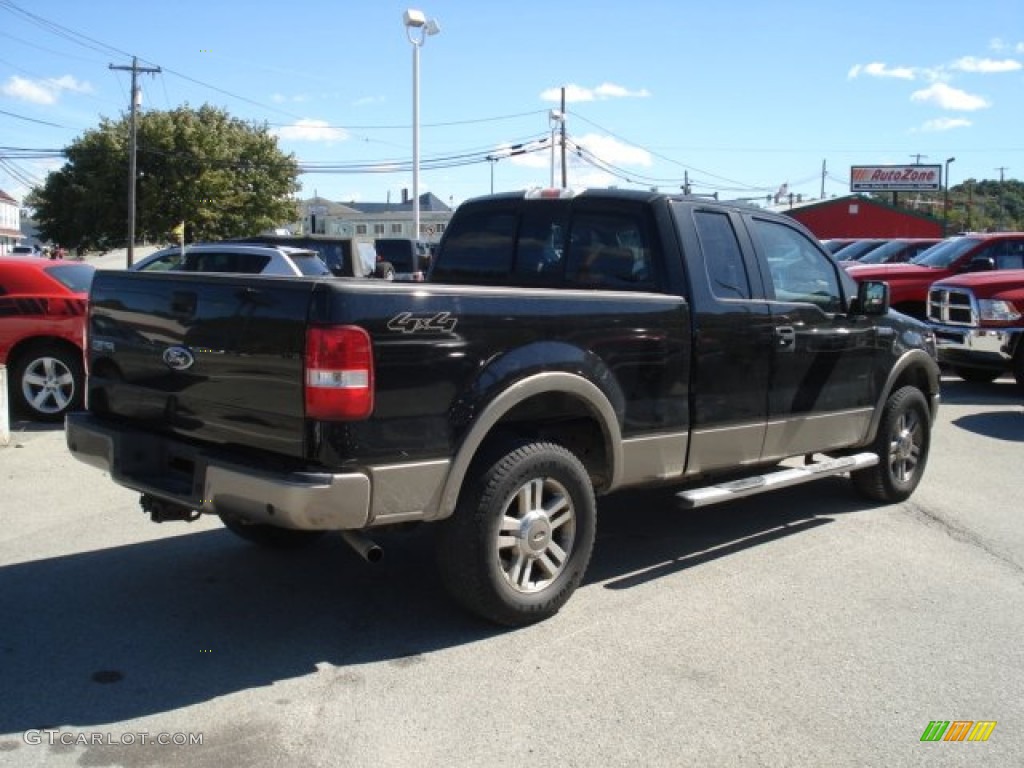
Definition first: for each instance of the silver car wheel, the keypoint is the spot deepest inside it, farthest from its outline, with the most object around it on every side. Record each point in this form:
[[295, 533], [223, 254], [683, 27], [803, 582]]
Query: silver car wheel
[[48, 385], [536, 535]]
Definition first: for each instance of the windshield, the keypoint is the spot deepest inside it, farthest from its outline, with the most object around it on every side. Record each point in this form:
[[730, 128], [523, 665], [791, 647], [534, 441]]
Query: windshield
[[854, 251], [882, 253], [74, 277], [397, 252], [942, 255]]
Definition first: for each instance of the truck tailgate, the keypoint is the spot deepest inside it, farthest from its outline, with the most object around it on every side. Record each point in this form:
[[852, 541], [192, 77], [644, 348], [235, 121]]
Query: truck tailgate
[[218, 358]]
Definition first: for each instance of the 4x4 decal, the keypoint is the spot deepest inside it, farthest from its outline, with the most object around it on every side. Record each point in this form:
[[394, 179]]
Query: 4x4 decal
[[407, 322]]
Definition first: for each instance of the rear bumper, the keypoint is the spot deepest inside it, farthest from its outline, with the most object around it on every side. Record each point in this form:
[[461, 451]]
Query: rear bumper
[[188, 475], [977, 347]]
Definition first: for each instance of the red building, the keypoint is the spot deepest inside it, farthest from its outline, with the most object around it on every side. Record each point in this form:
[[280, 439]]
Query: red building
[[857, 216]]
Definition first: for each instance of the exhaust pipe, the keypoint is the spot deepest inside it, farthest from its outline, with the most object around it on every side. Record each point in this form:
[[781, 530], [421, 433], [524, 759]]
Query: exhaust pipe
[[369, 550]]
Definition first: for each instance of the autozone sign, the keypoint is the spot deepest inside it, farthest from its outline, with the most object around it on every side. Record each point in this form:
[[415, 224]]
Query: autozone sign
[[895, 178]]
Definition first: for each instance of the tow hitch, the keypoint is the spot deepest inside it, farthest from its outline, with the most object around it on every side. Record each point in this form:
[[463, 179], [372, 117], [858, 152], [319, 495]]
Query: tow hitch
[[161, 511]]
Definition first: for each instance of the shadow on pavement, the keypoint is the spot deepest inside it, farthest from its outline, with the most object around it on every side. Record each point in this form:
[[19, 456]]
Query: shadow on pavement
[[115, 634], [1000, 425]]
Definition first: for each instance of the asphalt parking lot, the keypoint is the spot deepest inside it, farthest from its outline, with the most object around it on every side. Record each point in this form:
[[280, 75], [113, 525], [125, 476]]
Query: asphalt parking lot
[[803, 628]]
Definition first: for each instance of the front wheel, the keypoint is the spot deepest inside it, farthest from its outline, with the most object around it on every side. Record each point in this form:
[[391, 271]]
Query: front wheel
[[902, 445], [522, 533]]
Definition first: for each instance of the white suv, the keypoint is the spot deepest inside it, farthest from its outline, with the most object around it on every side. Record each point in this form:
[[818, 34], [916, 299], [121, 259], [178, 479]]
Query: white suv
[[236, 257]]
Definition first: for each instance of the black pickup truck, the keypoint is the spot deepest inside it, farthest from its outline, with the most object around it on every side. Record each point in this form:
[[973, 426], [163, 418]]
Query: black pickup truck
[[564, 346]]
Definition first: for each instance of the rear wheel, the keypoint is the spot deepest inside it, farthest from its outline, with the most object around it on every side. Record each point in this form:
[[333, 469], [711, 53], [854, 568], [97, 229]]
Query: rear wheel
[[976, 375], [47, 381], [270, 536], [522, 533], [1018, 364], [902, 445]]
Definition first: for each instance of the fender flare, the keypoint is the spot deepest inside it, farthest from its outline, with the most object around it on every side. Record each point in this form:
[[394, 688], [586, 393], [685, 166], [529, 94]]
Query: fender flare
[[911, 359], [542, 383]]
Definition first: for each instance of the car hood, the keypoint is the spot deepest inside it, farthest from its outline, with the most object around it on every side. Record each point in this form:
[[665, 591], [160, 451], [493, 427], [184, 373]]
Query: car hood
[[999, 280]]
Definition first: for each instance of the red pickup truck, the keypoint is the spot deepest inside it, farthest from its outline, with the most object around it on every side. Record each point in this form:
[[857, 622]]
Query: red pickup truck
[[978, 321], [909, 283]]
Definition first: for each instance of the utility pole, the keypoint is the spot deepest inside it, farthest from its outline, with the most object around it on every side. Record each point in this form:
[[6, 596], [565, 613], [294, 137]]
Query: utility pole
[[565, 174], [1002, 203], [135, 69], [917, 158], [823, 179]]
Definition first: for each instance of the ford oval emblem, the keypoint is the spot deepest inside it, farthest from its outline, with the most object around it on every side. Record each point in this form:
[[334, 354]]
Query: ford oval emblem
[[178, 358]]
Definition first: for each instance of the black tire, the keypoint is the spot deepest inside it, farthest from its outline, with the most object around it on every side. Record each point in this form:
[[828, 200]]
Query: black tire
[[902, 444], [46, 382], [270, 536], [384, 270], [1018, 364], [519, 568], [976, 375]]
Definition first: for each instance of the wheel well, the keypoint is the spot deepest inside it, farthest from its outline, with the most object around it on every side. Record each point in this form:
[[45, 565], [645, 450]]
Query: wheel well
[[915, 376], [559, 418], [25, 346]]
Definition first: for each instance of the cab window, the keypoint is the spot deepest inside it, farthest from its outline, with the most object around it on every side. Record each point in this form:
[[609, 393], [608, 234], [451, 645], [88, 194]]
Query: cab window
[[798, 270]]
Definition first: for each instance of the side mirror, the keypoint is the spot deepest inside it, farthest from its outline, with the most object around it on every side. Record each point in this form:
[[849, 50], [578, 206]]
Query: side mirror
[[872, 298], [981, 264]]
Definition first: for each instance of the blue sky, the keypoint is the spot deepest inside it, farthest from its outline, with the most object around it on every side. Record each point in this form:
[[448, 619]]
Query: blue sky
[[739, 97]]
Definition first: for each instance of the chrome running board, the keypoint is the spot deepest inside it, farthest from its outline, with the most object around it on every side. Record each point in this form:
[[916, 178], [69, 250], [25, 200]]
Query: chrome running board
[[783, 478]]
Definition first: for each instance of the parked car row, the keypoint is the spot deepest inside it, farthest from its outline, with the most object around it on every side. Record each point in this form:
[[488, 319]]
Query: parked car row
[[969, 289]]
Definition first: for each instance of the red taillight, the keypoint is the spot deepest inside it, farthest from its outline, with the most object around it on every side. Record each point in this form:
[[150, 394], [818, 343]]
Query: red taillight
[[339, 373]]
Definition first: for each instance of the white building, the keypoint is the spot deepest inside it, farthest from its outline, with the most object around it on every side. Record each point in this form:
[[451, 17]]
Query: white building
[[10, 223]]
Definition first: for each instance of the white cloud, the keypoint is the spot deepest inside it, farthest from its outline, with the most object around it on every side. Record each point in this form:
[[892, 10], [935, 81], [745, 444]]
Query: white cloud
[[878, 69], [947, 97], [577, 93], [613, 151], [945, 124], [311, 130], [986, 66], [44, 91]]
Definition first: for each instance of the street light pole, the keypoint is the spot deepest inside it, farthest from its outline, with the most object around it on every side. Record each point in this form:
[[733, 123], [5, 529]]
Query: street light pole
[[555, 118], [417, 28], [945, 199]]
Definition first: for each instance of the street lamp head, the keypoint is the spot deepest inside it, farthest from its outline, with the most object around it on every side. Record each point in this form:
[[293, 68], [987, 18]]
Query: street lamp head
[[950, 160], [414, 18]]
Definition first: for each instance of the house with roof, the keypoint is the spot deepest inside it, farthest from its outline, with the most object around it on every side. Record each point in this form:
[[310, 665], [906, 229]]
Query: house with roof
[[10, 223], [369, 221]]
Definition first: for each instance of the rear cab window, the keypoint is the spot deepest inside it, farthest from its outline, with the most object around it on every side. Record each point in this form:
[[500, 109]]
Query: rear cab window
[[549, 243]]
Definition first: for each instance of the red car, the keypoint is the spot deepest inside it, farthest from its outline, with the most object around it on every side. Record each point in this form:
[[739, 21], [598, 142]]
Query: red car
[[909, 283], [42, 329]]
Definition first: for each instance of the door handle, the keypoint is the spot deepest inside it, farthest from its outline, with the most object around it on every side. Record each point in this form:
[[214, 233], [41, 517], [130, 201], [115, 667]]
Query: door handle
[[786, 336]]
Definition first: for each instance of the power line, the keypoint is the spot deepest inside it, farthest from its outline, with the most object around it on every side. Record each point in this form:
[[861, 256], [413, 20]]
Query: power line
[[32, 120]]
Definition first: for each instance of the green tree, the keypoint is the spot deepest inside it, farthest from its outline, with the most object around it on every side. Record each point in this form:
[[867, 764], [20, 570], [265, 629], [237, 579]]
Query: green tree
[[222, 176]]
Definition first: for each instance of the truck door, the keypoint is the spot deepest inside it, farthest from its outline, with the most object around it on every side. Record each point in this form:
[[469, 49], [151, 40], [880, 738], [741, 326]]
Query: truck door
[[822, 390], [733, 337]]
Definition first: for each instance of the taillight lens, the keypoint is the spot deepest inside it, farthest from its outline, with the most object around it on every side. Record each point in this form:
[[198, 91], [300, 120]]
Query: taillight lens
[[339, 373]]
